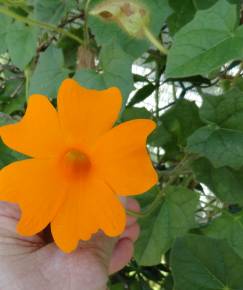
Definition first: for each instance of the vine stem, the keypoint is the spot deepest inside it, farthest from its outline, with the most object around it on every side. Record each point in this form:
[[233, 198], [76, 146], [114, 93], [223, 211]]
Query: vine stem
[[85, 27], [149, 35], [44, 25], [157, 201], [154, 204]]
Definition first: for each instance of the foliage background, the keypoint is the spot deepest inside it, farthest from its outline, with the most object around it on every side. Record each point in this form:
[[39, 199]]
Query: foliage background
[[192, 222]]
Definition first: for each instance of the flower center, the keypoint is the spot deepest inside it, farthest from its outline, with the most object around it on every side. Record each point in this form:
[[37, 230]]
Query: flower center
[[75, 163]]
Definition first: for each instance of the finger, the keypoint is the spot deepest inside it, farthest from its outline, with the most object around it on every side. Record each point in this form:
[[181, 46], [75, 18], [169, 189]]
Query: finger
[[132, 205], [9, 210], [12, 243], [122, 254], [132, 232]]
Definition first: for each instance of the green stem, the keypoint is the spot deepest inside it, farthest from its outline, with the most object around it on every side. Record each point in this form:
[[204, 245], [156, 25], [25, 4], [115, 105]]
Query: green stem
[[16, 4], [34, 22], [156, 96], [149, 35], [157, 87], [186, 182], [85, 27], [156, 202], [174, 91], [195, 4], [27, 74]]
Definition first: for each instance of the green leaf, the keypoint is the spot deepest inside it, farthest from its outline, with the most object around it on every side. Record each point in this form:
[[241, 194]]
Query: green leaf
[[8, 156], [169, 282], [136, 113], [3, 32], [223, 147], [90, 79], [181, 120], [220, 141], [49, 73], [52, 11], [161, 137], [70, 48], [15, 104], [225, 110], [139, 285], [225, 182], [116, 66], [202, 263], [173, 219], [13, 94], [119, 286], [184, 11], [142, 94], [238, 83], [139, 78], [5, 119], [21, 41], [206, 3], [105, 32], [202, 46], [230, 228], [147, 197]]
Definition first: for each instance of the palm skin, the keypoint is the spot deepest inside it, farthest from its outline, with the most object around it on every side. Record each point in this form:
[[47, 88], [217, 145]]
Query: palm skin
[[36, 263]]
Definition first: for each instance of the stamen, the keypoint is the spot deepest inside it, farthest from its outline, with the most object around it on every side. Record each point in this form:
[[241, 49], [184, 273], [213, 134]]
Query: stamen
[[75, 163]]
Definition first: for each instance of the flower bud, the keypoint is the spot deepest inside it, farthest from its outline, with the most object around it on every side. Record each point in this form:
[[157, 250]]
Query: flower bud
[[131, 16]]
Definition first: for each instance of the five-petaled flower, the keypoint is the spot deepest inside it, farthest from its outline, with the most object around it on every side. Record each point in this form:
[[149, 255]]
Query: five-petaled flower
[[79, 164]]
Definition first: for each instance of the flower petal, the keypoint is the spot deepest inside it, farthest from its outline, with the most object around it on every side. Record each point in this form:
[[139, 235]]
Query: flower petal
[[34, 185], [122, 159], [88, 208], [87, 114], [38, 133]]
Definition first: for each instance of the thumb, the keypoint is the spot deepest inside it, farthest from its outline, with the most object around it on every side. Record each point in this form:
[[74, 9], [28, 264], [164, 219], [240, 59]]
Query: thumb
[[101, 243]]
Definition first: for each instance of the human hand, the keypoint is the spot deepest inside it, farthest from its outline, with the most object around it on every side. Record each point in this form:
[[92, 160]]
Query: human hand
[[36, 263]]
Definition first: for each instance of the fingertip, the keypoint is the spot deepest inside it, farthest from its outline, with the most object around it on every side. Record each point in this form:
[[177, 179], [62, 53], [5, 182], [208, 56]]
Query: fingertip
[[132, 205], [132, 232], [121, 256]]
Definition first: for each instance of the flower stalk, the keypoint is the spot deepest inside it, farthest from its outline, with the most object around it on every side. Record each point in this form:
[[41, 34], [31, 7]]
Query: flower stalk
[[152, 39]]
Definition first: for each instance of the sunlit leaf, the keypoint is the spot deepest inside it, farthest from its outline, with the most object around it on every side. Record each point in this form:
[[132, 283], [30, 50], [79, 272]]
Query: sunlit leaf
[[202, 46]]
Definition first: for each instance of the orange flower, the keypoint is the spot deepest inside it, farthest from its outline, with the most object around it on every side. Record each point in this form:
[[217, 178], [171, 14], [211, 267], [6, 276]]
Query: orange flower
[[79, 164]]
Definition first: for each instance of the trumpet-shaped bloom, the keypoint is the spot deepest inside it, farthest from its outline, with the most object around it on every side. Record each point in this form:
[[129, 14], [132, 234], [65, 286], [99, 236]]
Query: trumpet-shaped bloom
[[79, 164]]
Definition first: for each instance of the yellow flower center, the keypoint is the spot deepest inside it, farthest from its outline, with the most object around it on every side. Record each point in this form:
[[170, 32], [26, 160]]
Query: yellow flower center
[[75, 163]]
